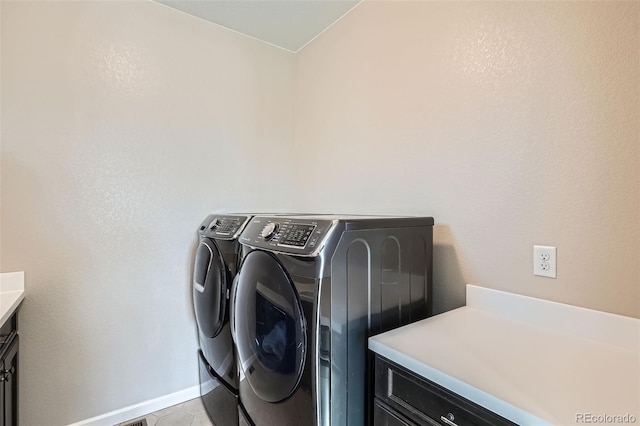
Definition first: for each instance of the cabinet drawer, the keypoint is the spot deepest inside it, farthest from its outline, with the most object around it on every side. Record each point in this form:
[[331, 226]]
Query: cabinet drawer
[[8, 330], [385, 416], [425, 402]]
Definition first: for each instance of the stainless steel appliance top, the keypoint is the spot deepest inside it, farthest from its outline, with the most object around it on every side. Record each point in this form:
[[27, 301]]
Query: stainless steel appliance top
[[306, 235]]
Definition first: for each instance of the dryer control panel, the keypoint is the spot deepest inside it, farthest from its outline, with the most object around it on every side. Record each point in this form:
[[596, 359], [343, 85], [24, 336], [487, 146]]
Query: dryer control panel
[[304, 237], [223, 226]]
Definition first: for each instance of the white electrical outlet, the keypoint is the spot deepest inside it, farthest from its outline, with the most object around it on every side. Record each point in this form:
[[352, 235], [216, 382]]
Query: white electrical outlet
[[544, 261]]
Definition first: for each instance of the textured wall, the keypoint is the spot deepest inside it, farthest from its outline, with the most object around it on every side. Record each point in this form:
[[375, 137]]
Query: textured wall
[[123, 125], [512, 123]]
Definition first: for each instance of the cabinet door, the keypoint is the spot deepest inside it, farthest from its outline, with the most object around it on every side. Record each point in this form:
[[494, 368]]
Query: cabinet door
[[9, 385], [2, 422]]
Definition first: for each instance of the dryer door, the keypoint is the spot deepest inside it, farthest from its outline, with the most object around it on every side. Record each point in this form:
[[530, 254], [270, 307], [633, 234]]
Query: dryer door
[[269, 327], [209, 288]]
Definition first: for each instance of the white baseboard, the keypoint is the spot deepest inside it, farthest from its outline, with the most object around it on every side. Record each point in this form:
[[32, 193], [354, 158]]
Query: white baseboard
[[137, 410]]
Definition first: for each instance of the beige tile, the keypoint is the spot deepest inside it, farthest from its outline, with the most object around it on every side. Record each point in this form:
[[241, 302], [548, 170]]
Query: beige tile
[[194, 406], [168, 410], [201, 419], [176, 419]]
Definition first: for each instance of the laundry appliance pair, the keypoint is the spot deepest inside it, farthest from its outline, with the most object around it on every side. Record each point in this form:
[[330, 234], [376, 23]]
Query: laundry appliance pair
[[309, 292], [216, 264]]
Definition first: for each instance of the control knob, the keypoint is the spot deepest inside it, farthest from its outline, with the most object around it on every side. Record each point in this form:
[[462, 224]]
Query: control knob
[[215, 224], [269, 230]]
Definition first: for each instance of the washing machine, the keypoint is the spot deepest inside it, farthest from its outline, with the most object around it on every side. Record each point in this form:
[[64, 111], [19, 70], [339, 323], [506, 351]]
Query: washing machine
[[215, 266], [309, 293]]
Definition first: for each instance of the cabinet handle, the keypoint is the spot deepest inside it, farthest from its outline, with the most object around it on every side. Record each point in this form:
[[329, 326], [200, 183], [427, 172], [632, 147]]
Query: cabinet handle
[[448, 419], [6, 374]]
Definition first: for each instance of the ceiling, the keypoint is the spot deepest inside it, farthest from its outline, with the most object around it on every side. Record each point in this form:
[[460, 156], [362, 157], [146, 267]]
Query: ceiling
[[289, 24]]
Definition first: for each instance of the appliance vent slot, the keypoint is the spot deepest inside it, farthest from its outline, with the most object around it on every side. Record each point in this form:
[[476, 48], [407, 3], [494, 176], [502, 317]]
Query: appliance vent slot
[[141, 422]]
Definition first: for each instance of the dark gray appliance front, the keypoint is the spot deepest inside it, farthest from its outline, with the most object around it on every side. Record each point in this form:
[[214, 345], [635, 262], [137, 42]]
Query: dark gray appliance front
[[215, 265]]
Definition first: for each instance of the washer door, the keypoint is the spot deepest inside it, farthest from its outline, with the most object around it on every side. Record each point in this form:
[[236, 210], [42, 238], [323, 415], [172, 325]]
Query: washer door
[[209, 288], [268, 327]]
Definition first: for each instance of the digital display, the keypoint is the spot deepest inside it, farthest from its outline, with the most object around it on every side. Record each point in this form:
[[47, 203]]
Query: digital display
[[296, 235], [224, 226]]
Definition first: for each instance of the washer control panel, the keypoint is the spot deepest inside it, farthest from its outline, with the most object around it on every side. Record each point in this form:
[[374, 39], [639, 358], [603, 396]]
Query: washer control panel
[[223, 226], [298, 236]]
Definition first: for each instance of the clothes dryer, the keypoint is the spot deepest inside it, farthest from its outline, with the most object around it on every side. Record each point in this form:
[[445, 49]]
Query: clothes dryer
[[215, 266], [309, 293]]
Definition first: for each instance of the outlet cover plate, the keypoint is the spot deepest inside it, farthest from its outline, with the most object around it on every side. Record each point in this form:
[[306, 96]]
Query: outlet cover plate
[[544, 261]]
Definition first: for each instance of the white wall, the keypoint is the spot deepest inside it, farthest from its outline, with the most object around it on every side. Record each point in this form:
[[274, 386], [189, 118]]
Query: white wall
[[511, 123], [123, 125]]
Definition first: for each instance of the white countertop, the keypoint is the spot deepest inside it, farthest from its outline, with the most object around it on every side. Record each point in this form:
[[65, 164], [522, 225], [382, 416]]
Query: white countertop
[[11, 294], [531, 361]]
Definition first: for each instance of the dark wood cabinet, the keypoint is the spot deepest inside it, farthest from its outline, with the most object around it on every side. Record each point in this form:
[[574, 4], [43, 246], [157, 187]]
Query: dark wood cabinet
[[402, 398], [9, 344]]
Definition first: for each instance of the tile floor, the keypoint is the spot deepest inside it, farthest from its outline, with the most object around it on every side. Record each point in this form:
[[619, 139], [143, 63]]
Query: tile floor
[[190, 413]]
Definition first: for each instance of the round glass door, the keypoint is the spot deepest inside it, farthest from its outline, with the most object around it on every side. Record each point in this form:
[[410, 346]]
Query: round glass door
[[209, 288], [269, 327]]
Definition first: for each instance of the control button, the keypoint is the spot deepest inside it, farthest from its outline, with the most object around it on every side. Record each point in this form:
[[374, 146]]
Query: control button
[[269, 230], [214, 224]]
